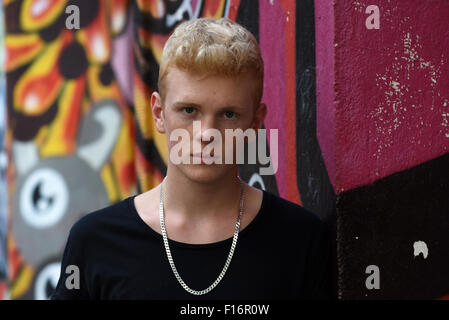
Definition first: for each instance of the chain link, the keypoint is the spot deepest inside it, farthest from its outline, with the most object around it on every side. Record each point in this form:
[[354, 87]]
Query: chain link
[[170, 258]]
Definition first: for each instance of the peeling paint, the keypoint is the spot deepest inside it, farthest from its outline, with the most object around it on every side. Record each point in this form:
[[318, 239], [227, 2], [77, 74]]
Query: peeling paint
[[445, 118], [396, 81], [358, 6]]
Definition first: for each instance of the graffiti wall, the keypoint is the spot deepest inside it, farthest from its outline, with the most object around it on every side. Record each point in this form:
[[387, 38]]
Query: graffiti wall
[[3, 164], [70, 130], [80, 134], [362, 119]]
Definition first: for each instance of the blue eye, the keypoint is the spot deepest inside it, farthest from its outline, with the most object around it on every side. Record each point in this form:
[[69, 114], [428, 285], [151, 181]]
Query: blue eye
[[189, 110], [230, 114]]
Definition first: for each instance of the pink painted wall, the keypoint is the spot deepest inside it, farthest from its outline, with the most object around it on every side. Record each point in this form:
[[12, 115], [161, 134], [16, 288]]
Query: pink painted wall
[[272, 43], [122, 59], [325, 96], [383, 112], [391, 86], [277, 40]]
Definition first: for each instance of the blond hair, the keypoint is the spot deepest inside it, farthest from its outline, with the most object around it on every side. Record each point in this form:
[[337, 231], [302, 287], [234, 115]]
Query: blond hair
[[213, 46]]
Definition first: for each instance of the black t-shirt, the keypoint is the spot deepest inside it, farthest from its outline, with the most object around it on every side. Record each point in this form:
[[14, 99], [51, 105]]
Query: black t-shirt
[[283, 253]]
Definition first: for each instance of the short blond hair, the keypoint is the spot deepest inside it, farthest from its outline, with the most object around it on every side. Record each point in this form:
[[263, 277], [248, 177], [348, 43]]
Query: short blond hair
[[213, 46]]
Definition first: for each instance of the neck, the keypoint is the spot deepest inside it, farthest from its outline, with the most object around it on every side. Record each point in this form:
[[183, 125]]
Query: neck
[[195, 201]]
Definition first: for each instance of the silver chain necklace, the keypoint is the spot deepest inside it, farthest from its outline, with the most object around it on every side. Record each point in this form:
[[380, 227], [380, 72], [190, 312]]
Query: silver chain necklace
[[228, 260]]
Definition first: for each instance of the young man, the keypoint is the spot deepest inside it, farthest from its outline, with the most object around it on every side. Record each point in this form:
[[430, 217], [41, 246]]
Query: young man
[[202, 233]]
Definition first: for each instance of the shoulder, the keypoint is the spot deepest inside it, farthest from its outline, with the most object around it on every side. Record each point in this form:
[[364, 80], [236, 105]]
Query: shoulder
[[291, 211], [294, 217], [96, 221]]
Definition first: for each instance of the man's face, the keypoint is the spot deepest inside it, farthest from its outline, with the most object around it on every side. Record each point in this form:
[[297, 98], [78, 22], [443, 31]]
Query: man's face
[[218, 102]]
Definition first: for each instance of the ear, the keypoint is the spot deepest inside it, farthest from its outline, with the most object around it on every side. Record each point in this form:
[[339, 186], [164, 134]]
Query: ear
[[158, 112], [259, 116]]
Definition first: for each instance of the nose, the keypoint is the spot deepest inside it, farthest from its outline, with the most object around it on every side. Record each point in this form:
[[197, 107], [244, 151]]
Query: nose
[[202, 135]]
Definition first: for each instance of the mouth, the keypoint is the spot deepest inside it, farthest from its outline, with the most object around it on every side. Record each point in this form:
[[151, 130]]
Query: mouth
[[202, 157]]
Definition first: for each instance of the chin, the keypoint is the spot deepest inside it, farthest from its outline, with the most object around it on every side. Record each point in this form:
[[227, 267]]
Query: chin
[[203, 173]]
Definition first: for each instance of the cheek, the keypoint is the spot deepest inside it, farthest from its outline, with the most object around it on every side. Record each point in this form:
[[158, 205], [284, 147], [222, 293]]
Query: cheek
[[173, 129], [171, 122]]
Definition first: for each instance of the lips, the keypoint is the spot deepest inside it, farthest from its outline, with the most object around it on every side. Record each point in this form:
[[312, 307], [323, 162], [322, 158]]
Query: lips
[[200, 156]]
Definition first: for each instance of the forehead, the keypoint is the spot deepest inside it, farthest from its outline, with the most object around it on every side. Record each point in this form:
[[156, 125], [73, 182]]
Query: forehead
[[181, 85]]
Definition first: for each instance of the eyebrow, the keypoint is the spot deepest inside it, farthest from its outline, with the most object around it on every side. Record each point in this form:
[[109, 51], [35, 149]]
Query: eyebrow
[[191, 104], [185, 104]]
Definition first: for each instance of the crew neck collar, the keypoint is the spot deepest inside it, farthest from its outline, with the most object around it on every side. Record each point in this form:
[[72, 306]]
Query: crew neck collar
[[260, 214]]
